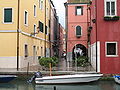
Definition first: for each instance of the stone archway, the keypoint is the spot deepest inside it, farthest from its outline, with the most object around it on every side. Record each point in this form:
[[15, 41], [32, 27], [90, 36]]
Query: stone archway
[[79, 50]]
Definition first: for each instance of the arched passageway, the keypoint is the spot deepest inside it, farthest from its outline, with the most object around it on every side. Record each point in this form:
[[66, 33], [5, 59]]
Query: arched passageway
[[79, 50]]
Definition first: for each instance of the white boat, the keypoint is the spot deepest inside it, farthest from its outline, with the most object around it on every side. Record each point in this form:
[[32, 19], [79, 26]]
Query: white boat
[[117, 78], [67, 79]]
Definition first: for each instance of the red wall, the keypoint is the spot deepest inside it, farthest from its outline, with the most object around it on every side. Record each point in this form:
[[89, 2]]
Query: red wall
[[107, 31], [73, 21]]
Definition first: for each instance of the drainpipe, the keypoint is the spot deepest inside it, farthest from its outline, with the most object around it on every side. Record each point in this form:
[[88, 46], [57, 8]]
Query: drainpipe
[[45, 30], [96, 33], [18, 36]]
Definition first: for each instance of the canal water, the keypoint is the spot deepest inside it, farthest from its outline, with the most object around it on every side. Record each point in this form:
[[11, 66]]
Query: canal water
[[23, 85]]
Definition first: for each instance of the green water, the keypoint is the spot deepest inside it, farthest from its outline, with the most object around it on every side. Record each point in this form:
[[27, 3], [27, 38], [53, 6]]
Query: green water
[[23, 85]]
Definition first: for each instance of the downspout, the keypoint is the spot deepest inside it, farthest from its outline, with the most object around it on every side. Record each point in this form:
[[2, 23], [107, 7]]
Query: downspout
[[96, 33], [87, 28], [18, 35], [45, 30]]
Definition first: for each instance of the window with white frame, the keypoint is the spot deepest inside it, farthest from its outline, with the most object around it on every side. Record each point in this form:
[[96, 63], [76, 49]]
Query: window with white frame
[[35, 12], [111, 48], [79, 10], [78, 31], [26, 18], [110, 8], [8, 15], [41, 4]]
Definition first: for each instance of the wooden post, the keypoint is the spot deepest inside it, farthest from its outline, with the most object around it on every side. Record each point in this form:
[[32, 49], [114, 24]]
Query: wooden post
[[50, 66], [27, 68]]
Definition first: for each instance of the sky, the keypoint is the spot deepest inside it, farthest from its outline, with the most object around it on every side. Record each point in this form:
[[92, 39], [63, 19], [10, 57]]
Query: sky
[[59, 5]]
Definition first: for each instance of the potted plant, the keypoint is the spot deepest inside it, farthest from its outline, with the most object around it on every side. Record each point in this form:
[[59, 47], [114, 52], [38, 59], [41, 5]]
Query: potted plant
[[107, 18], [115, 18]]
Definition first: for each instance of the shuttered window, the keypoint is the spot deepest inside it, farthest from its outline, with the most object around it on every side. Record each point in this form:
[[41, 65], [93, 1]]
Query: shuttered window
[[7, 15], [41, 26], [78, 31], [46, 29]]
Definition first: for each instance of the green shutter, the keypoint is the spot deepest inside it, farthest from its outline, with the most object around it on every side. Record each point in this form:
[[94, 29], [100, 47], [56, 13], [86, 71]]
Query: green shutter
[[45, 29], [78, 31], [8, 15], [41, 26]]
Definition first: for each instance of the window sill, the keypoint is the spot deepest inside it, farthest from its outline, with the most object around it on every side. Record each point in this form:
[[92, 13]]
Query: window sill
[[26, 25], [7, 22], [111, 55]]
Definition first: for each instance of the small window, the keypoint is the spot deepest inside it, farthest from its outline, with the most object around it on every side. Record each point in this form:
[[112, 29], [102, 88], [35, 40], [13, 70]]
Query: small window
[[79, 10], [41, 26], [7, 15], [110, 7], [78, 31], [111, 48], [26, 18], [26, 50], [34, 10], [46, 30], [34, 29], [41, 4]]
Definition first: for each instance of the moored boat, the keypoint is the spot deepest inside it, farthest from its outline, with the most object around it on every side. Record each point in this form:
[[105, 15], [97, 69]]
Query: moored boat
[[68, 79], [117, 78], [7, 78]]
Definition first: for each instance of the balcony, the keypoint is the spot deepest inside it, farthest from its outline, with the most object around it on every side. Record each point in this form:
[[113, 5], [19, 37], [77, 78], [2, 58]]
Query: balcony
[[110, 18]]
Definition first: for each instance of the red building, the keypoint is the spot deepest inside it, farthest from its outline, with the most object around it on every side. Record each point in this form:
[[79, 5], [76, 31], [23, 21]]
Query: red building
[[104, 36], [77, 17]]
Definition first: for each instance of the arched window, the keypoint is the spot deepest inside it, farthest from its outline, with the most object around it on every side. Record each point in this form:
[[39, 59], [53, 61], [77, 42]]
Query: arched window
[[78, 31]]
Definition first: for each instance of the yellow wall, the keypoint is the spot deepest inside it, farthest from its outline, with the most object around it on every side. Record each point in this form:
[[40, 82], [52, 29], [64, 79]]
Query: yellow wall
[[8, 3], [8, 40]]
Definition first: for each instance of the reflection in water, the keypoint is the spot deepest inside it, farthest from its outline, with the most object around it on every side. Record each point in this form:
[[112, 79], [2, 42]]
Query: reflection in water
[[23, 85]]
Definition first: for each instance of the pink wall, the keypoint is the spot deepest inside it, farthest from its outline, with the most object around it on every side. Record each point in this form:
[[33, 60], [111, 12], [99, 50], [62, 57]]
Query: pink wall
[[73, 21], [107, 31]]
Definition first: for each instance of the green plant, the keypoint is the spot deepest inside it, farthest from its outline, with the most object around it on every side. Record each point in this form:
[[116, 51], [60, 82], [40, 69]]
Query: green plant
[[82, 61], [45, 61]]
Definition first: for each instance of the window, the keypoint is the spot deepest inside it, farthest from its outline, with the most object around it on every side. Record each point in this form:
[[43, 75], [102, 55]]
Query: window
[[41, 26], [41, 4], [26, 50], [111, 48], [34, 52], [34, 29], [78, 31], [34, 10], [110, 7], [7, 15], [26, 18], [46, 30], [79, 10]]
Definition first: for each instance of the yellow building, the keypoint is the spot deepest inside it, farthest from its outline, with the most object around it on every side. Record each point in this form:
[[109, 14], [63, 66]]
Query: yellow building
[[24, 32]]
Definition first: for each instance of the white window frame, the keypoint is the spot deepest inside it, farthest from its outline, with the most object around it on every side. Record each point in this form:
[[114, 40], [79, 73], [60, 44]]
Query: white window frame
[[75, 31], [81, 11], [35, 10], [12, 15], [41, 4], [26, 24], [105, 9], [116, 49]]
